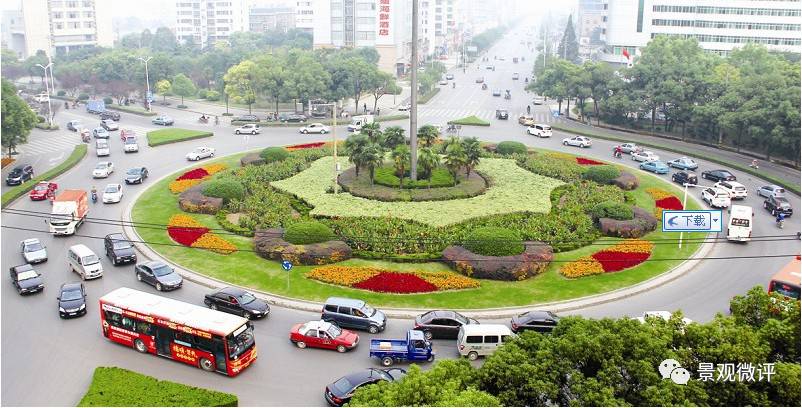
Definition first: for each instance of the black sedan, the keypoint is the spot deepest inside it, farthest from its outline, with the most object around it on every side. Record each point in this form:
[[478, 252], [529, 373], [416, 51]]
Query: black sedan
[[683, 177], [441, 324], [237, 301], [718, 175], [19, 175], [537, 320], [119, 249], [246, 118], [158, 274], [110, 115], [778, 204], [297, 118], [340, 392], [71, 300], [136, 175], [26, 279]]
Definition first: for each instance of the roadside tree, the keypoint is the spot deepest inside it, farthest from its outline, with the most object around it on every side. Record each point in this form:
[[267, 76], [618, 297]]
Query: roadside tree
[[17, 117]]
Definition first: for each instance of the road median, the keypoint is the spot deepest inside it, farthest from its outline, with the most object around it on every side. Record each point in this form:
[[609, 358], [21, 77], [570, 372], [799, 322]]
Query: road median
[[167, 136], [12, 194]]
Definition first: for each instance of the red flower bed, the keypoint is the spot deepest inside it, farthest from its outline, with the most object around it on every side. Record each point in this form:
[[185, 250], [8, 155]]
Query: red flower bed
[[186, 235], [613, 261], [588, 162], [395, 282], [668, 203], [306, 146], [194, 174]]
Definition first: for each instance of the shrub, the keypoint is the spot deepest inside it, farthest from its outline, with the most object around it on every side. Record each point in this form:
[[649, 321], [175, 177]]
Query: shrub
[[509, 147], [274, 154], [308, 232], [212, 96], [61, 92], [181, 106], [83, 97], [108, 101], [611, 209], [227, 189], [602, 174], [40, 119], [269, 244], [494, 241], [202, 93], [226, 114]]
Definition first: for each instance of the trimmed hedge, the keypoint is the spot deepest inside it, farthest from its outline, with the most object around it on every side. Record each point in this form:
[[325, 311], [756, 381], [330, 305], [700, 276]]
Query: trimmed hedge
[[509, 147], [174, 135], [611, 209], [602, 174], [118, 387], [227, 189], [385, 176], [308, 232], [274, 154], [494, 241], [136, 110], [15, 192], [472, 120], [422, 99]]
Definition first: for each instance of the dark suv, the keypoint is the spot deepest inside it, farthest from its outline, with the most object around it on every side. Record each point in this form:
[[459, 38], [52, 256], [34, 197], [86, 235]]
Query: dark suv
[[115, 116], [502, 114], [353, 313], [778, 204], [119, 249], [537, 320], [442, 324], [19, 175], [682, 177]]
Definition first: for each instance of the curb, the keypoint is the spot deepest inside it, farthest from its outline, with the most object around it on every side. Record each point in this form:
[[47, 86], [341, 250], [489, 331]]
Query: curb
[[495, 313]]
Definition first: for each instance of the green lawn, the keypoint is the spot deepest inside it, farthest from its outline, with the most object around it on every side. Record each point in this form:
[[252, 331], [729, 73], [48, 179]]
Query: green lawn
[[470, 121], [174, 135], [245, 268], [117, 387], [13, 193]]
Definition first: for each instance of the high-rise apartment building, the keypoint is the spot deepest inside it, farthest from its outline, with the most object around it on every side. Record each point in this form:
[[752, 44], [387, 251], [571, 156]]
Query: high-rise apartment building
[[304, 16], [205, 21], [720, 26], [262, 19], [57, 26]]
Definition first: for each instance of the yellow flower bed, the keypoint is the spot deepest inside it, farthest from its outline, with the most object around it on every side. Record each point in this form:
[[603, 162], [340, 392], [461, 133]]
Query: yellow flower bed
[[214, 243], [214, 168], [185, 221], [658, 194], [342, 275], [448, 281], [584, 266], [179, 186], [634, 245]]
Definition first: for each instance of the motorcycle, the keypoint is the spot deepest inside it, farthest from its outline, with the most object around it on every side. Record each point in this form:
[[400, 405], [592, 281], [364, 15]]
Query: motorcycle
[[203, 119], [484, 86], [617, 154], [780, 223], [94, 197], [753, 164]]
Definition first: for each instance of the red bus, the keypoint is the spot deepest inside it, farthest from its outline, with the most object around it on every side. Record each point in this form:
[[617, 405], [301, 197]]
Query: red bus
[[786, 282], [195, 335]]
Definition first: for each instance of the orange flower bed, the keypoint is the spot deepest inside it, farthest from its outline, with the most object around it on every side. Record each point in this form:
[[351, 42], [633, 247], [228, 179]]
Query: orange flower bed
[[193, 177], [584, 266], [187, 231], [214, 243], [214, 168], [179, 186], [184, 221], [381, 280], [624, 255]]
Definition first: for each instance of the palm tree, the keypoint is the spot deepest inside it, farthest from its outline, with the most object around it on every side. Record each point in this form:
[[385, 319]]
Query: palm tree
[[401, 158], [452, 140], [428, 160], [372, 157], [473, 152], [455, 159], [355, 147], [428, 134], [394, 136], [373, 132]]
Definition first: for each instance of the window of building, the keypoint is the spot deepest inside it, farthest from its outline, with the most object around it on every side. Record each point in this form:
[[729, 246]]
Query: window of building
[[59, 26], [58, 15], [365, 35], [88, 24], [72, 15], [366, 20]]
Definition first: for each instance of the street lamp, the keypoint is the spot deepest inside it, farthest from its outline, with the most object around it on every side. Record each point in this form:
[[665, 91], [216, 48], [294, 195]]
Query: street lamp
[[147, 82], [48, 83]]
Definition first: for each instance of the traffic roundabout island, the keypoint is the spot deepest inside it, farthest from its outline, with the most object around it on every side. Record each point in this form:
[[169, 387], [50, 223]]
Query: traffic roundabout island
[[501, 227]]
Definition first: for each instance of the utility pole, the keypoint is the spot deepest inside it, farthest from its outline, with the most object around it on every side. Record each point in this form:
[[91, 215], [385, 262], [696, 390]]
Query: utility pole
[[413, 98]]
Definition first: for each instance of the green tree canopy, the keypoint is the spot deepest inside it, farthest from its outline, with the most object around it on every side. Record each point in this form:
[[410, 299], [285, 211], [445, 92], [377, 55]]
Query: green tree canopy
[[18, 118], [183, 86]]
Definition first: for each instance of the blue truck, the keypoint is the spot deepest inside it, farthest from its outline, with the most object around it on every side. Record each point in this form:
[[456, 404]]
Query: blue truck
[[95, 106], [413, 348]]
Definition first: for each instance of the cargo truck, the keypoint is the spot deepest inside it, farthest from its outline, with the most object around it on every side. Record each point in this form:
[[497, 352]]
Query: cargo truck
[[69, 211], [358, 121]]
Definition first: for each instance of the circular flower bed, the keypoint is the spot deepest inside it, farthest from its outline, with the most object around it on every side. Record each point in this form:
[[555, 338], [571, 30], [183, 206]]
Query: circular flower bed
[[187, 231], [386, 281], [613, 259]]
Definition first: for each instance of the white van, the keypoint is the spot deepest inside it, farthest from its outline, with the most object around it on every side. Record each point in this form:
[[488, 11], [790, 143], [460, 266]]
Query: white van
[[102, 147], [84, 262], [476, 340], [740, 226]]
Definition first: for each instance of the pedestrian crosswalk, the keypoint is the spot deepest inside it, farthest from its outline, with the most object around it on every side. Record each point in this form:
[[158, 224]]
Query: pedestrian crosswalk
[[45, 143], [436, 115]]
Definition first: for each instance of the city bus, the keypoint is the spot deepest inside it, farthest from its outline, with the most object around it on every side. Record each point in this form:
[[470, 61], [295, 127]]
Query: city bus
[[195, 335], [786, 282]]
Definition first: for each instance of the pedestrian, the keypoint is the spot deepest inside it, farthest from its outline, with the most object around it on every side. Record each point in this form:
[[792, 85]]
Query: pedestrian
[[377, 111], [216, 120], [365, 107], [528, 109]]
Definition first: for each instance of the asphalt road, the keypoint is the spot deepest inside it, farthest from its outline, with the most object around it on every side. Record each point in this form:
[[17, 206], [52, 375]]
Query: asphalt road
[[49, 361]]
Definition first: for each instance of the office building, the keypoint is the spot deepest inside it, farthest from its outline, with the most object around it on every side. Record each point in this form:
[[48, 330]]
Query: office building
[[205, 22], [262, 19], [57, 26], [304, 16]]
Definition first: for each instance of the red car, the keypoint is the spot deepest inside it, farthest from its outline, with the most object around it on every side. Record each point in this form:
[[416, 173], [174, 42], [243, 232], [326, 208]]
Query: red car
[[124, 133], [42, 190], [320, 334]]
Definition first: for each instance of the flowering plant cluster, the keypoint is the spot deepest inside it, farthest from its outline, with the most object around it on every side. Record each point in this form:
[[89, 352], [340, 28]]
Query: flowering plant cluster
[[621, 256], [194, 176], [314, 145], [187, 231], [663, 200], [386, 281], [588, 162]]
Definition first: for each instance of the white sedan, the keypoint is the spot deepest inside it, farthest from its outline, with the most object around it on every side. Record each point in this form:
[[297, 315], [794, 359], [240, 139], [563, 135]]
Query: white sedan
[[579, 141], [644, 156], [404, 107], [103, 169], [200, 153], [113, 193], [250, 128], [315, 128]]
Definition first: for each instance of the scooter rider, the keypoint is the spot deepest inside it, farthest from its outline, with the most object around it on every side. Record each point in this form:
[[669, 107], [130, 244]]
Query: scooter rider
[[94, 194], [617, 152], [780, 219]]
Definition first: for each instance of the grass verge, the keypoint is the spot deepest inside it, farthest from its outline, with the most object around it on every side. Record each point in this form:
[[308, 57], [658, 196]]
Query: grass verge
[[469, 121], [175, 135], [422, 99], [244, 268], [724, 162], [118, 387], [77, 154], [136, 110]]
